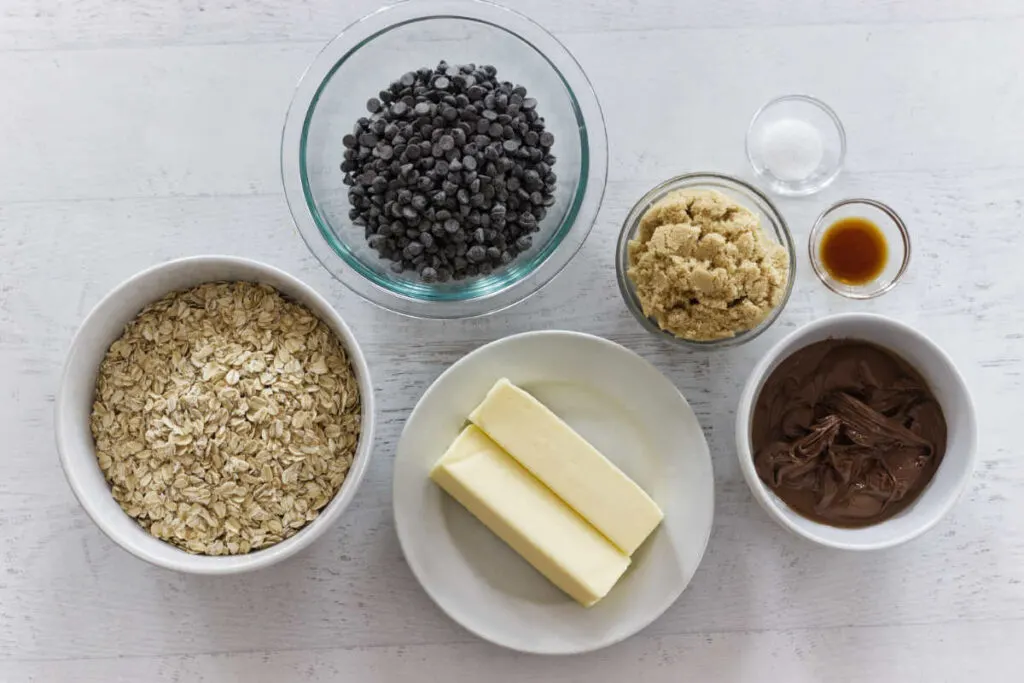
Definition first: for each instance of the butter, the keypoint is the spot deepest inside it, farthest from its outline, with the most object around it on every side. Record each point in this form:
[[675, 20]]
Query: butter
[[567, 464], [525, 514]]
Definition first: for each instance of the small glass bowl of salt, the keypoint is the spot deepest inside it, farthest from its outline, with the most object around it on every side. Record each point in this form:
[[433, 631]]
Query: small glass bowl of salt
[[796, 144]]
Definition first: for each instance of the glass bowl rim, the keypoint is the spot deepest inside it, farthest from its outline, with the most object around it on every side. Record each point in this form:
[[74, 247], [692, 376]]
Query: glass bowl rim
[[515, 284], [818, 231], [714, 180], [814, 102]]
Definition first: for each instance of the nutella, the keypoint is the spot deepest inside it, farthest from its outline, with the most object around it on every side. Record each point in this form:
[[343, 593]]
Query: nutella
[[847, 433]]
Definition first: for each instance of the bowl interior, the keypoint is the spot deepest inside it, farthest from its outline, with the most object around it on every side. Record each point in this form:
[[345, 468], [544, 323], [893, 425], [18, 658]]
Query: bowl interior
[[74, 406], [952, 394], [772, 223], [818, 116], [897, 241], [383, 57]]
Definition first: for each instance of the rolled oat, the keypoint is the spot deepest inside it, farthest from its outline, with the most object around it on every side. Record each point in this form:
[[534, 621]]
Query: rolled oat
[[225, 418]]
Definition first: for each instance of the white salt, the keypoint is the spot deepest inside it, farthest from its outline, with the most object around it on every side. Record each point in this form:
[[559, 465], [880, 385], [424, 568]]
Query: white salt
[[791, 149]]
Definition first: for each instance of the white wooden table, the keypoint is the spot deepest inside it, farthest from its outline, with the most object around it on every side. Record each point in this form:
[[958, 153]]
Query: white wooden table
[[132, 132]]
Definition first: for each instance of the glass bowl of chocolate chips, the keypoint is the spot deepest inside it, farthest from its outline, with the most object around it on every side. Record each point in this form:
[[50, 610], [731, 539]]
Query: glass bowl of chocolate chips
[[444, 158]]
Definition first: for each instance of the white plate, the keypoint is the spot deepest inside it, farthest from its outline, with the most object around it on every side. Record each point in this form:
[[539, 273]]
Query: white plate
[[633, 415]]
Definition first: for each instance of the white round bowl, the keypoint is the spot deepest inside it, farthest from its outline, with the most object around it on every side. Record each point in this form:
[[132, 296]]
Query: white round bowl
[[75, 398], [949, 389]]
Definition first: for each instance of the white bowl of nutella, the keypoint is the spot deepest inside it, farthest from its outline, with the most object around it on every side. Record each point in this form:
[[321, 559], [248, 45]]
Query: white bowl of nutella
[[856, 432]]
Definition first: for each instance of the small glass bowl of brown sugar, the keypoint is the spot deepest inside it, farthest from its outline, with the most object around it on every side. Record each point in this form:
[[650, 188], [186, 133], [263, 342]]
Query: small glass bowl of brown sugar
[[693, 313], [859, 248]]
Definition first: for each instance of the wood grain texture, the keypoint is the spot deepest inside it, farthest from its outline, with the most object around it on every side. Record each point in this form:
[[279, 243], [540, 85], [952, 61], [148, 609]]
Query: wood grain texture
[[155, 121], [46, 24], [793, 655], [135, 132]]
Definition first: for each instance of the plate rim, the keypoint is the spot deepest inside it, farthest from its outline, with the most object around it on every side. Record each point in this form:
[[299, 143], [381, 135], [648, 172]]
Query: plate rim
[[597, 644]]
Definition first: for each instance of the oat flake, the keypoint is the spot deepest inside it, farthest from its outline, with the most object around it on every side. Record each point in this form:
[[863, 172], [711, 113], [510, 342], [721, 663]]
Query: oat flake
[[225, 418]]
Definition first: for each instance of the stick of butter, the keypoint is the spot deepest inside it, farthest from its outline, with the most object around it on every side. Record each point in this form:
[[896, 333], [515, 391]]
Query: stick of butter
[[565, 462], [525, 514]]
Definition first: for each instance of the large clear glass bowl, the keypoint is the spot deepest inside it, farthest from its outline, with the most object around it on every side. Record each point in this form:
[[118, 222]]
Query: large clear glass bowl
[[772, 223], [378, 49]]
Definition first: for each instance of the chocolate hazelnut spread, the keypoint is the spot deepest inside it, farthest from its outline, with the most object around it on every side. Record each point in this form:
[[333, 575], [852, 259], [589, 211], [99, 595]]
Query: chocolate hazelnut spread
[[847, 433]]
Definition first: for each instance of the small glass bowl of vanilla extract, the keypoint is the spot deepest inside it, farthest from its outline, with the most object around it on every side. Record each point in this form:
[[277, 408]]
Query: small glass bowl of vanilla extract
[[859, 248]]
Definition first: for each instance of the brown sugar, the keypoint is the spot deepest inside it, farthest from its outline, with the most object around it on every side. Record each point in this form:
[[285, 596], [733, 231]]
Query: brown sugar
[[703, 268]]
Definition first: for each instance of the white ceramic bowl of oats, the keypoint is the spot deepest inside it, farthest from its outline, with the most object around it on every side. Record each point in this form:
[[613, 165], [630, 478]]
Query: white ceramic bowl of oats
[[233, 422]]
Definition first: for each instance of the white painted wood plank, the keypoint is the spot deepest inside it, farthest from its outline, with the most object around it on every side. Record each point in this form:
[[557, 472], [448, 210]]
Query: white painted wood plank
[[353, 587], [953, 653], [50, 24], [152, 122], [137, 131], [206, 120]]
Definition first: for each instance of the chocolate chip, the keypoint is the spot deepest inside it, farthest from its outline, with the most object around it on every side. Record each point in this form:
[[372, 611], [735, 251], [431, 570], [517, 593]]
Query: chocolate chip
[[412, 250], [451, 173], [476, 254]]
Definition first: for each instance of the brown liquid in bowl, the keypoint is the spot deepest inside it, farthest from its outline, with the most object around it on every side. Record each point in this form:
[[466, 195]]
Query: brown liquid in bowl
[[853, 250]]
